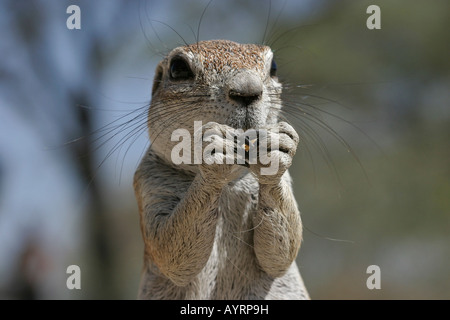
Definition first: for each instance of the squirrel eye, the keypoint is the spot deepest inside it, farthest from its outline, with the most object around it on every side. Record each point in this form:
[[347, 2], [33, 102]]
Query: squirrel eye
[[179, 69], [273, 69]]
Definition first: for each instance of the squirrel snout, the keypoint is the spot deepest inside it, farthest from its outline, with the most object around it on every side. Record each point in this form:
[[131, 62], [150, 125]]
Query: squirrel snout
[[245, 87]]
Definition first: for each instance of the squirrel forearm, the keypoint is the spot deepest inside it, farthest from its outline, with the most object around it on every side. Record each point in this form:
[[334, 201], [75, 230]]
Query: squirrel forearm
[[278, 228], [180, 240]]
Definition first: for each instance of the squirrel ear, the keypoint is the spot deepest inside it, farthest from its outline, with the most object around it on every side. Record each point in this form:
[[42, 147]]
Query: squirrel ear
[[158, 78]]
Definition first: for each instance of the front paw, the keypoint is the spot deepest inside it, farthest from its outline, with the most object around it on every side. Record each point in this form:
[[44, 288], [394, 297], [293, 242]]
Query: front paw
[[277, 146], [218, 147]]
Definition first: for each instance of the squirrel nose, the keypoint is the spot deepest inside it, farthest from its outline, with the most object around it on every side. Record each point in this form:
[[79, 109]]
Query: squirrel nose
[[245, 87]]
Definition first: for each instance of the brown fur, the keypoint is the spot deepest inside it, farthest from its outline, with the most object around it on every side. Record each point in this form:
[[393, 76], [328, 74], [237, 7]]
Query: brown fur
[[219, 231]]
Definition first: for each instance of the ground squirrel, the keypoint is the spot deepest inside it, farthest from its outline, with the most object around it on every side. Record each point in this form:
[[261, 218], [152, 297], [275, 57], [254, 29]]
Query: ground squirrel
[[218, 231]]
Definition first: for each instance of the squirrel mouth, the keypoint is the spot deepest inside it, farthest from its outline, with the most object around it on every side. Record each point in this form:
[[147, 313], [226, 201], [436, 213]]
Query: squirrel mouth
[[247, 124], [245, 120], [249, 121]]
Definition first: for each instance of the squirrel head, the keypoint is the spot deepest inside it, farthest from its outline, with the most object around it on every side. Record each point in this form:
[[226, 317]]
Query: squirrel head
[[217, 80]]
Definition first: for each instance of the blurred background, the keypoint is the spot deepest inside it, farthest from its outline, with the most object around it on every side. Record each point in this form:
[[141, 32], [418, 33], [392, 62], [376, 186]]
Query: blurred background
[[374, 190]]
